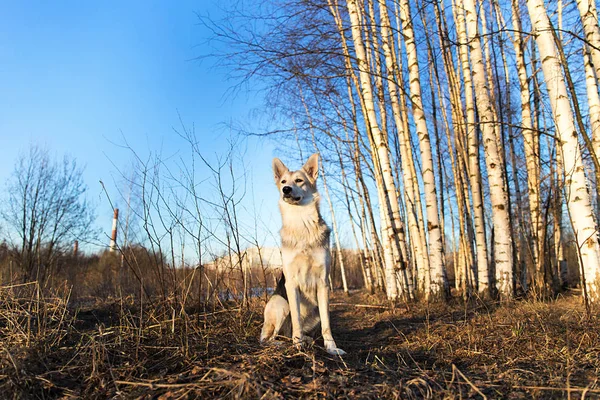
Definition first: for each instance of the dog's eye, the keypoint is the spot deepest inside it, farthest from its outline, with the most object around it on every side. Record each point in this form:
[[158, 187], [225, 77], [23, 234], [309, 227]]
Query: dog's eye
[[299, 180], [284, 181]]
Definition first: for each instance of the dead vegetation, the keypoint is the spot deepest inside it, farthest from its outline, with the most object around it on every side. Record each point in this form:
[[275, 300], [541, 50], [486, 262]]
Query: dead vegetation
[[127, 349]]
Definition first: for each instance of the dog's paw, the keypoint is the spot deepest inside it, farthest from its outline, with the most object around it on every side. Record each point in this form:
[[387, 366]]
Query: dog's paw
[[332, 348], [303, 342], [298, 341], [335, 351]]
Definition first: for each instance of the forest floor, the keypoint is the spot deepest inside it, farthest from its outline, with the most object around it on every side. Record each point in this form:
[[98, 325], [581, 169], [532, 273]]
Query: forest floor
[[524, 349]]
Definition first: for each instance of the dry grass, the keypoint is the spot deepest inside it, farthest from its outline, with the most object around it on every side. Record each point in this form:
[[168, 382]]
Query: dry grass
[[125, 349]]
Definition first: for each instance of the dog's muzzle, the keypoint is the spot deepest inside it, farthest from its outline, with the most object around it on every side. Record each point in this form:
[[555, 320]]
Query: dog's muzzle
[[288, 197]]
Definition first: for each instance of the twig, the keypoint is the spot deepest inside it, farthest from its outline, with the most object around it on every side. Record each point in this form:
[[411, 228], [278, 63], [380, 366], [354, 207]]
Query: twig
[[158, 385], [561, 389], [19, 285], [527, 387], [197, 384], [359, 305], [455, 369], [10, 357]]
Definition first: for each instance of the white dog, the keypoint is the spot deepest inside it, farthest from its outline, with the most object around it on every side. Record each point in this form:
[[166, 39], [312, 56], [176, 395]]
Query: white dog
[[306, 260]]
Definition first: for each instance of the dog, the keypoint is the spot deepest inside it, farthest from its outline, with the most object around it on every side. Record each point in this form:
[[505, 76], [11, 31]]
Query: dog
[[302, 294]]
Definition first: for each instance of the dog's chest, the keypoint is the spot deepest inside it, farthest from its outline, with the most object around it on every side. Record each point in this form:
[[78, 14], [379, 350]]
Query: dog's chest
[[304, 231], [305, 248], [305, 265]]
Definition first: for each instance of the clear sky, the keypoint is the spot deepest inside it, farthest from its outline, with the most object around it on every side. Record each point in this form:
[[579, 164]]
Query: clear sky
[[80, 76]]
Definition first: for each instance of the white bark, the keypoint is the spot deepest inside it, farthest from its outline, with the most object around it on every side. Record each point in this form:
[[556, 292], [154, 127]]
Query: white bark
[[483, 269], [594, 111], [589, 17], [375, 68], [577, 196], [593, 100], [438, 285], [408, 176], [503, 254], [558, 177], [386, 188], [335, 233], [531, 143]]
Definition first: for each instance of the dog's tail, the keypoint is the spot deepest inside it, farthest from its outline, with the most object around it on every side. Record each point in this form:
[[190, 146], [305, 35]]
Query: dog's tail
[[280, 288]]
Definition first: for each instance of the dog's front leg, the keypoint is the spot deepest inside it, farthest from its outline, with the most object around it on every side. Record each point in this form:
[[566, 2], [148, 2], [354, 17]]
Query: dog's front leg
[[293, 294], [323, 300]]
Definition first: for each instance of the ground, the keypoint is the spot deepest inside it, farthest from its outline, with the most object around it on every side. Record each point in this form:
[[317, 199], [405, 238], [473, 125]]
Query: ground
[[524, 349]]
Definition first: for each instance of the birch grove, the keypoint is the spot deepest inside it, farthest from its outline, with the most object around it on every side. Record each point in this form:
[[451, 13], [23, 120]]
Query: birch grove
[[461, 136]]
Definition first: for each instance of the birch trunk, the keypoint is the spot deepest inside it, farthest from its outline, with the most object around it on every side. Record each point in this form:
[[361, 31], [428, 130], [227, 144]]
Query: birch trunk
[[336, 235], [459, 166], [577, 196], [593, 99], [589, 18], [404, 138], [558, 185], [375, 66], [438, 104], [503, 252], [371, 253], [438, 285], [386, 187], [594, 111], [375, 258], [408, 176], [531, 143], [505, 132], [483, 268], [365, 270]]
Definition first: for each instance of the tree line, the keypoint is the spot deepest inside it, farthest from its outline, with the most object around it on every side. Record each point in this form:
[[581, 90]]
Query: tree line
[[460, 142], [457, 132]]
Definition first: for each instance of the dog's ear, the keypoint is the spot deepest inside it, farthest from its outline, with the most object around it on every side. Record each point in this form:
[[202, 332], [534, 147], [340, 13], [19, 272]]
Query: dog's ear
[[312, 167], [279, 169]]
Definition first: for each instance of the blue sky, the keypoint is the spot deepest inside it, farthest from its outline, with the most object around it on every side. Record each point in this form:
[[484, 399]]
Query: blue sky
[[78, 77]]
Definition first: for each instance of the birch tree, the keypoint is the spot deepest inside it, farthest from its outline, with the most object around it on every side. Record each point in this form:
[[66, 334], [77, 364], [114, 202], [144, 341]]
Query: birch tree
[[409, 178], [531, 141], [594, 113], [483, 269], [576, 193], [387, 196], [503, 252], [593, 101], [589, 18], [438, 286]]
